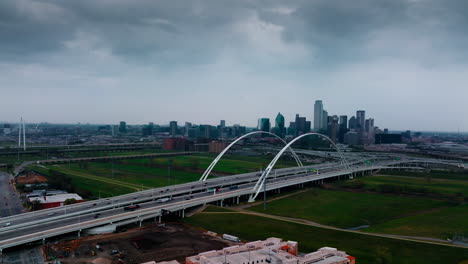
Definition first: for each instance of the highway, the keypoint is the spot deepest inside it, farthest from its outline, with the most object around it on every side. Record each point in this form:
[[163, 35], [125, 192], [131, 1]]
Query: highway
[[33, 226], [10, 203]]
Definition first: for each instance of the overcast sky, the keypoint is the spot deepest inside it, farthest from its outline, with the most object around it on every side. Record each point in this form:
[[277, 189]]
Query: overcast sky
[[101, 61]]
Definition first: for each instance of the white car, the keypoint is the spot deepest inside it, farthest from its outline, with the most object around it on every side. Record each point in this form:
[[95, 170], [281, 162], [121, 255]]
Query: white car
[[8, 224]]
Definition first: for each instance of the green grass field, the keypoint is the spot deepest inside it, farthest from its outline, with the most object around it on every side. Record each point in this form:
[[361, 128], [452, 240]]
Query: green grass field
[[434, 174], [124, 176], [443, 224], [435, 187], [367, 249], [216, 209], [347, 209]]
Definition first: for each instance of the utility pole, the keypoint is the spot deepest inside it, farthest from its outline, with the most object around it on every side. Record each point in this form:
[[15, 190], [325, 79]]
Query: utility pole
[[264, 195]]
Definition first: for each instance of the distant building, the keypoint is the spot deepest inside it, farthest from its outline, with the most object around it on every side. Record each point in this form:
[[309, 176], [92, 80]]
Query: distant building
[[272, 250], [333, 128], [123, 127], [6, 129], [351, 138], [280, 129], [301, 125], [324, 121], [206, 131], [173, 128], [352, 123], [360, 119], [342, 128], [264, 124], [222, 123], [187, 128], [216, 146], [55, 200], [148, 129], [370, 130], [238, 130], [386, 138], [292, 129], [318, 114], [175, 144]]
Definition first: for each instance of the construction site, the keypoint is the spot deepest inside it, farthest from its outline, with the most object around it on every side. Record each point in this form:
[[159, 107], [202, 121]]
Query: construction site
[[161, 242]]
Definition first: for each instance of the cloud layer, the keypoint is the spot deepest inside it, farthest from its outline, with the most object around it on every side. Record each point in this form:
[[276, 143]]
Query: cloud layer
[[404, 61]]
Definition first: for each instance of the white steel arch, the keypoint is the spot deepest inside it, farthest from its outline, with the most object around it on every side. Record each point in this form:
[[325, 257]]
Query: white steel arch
[[261, 181], [208, 170]]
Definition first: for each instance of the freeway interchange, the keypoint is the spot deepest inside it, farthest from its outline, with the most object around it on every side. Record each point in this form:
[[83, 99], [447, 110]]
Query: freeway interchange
[[35, 226]]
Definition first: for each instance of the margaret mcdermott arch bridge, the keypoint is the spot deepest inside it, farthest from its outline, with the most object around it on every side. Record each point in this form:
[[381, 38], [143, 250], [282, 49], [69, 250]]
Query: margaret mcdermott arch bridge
[[109, 213]]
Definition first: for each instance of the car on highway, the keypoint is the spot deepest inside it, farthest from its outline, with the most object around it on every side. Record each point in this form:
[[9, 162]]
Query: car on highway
[[8, 224], [49, 214], [131, 207], [97, 215], [163, 200]]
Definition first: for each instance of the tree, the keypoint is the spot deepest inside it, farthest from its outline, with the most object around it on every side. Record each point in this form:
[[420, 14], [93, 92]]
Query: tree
[[35, 205], [69, 201]]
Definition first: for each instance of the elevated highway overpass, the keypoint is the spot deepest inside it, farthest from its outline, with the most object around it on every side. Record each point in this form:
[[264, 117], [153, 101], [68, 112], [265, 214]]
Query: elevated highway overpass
[[36, 226]]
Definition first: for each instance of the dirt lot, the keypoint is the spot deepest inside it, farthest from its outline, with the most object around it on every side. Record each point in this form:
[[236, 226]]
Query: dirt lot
[[30, 178], [174, 241]]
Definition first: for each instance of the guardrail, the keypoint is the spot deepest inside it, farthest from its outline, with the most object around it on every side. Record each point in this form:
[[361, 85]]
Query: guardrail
[[181, 205]]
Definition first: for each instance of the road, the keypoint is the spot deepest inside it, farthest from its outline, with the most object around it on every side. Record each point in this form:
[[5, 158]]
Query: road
[[50, 222], [9, 202]]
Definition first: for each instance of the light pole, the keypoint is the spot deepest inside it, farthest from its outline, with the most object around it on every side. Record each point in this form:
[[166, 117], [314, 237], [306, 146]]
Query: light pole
[[264, 195]]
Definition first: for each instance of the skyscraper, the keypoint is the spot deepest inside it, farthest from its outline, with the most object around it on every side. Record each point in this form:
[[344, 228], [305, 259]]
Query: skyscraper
[[173, 128], [264, 124], [123, 127], [333, 127], [352, 123], [222, 123], [188, 126], [318, 114], [280, 130], [360, 119], [343, 128], [324, 120], [302, 126]]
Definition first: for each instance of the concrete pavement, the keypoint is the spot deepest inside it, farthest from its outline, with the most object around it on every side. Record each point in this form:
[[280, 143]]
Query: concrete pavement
[[10, 203]]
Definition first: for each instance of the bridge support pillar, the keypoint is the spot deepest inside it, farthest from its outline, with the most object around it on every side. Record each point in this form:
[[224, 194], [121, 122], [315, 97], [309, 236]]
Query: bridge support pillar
[[43, 241], [238, 197], [221, 203], [183, 213], [79, 233], [141, 222], [159, 219]]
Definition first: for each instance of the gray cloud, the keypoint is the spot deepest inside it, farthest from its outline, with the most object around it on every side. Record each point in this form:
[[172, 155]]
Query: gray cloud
[[222, 54]]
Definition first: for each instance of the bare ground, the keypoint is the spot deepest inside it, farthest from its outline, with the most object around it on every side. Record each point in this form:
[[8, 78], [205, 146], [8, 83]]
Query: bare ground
[[173, 241]]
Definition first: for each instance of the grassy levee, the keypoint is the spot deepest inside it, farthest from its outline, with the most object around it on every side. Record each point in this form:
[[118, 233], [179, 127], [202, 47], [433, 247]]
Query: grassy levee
[[90, 187], [366, 248], [136, 175], [434, 174], [443, 224], [442, 188], [347, 209]]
